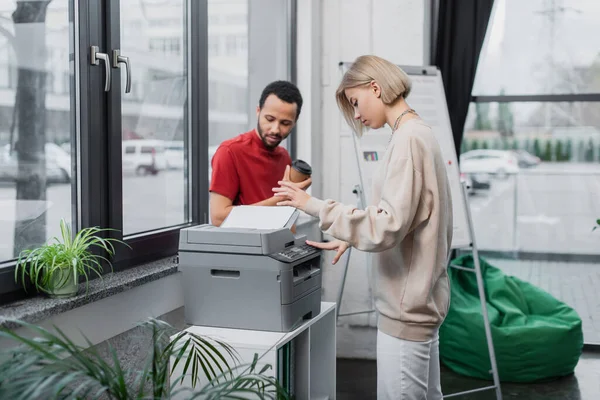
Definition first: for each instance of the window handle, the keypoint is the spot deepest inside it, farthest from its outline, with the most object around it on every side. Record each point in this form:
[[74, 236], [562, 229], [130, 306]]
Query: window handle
[[96, 56], [117, 59]]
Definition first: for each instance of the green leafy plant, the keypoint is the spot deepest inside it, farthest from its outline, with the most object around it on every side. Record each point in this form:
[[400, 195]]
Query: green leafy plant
[[55, 267], [51, 366], [597, 225]]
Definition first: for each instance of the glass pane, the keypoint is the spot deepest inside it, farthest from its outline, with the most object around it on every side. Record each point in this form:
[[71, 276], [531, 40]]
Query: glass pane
[[535, 169], [155, 172], [227, 71], [541, 47], [36, 122]]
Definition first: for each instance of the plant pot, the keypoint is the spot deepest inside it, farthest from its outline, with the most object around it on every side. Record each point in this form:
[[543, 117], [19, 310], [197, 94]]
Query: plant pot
[[62, 284]]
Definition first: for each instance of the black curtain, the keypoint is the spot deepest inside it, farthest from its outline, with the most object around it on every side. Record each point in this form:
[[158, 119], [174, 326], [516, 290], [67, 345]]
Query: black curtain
[[461, 29]]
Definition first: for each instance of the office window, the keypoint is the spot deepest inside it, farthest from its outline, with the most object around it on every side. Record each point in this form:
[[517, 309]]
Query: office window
[[36, 128], [542, 163], [96, 142], [535, 96], [228, 71], [531, 148], [550, 42], [155, 188]]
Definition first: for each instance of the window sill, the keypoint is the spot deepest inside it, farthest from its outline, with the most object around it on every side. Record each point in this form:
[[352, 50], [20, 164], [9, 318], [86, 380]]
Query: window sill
[[39, 308]]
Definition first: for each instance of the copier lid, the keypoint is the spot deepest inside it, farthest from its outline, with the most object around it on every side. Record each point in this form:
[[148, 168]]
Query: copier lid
[[208, 234], [208, 238]]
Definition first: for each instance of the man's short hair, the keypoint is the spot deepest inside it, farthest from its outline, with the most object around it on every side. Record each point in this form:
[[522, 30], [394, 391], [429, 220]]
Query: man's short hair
[[285, 91]]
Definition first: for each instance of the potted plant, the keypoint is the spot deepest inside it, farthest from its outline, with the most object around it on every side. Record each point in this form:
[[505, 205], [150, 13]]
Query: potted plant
[[52, 366], [55, 267]]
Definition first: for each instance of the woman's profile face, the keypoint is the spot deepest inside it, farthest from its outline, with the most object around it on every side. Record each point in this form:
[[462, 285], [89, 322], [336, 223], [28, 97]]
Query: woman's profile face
[[368, 107]]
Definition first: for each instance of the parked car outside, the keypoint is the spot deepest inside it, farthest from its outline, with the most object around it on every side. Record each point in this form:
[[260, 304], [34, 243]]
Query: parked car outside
[[58, 164], [481, 181], [144, 156], [526, 159], [500, 163]]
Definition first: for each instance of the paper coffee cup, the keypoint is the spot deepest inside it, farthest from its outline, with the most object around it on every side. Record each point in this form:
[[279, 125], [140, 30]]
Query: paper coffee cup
[[300, 171]]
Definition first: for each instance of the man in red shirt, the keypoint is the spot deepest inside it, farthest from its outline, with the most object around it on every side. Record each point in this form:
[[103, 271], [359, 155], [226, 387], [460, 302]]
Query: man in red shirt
[[246, 168]]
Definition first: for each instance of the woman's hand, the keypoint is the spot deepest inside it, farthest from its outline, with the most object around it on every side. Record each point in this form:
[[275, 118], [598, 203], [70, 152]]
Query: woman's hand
[[305, 184], [338, 245], [296, 196]]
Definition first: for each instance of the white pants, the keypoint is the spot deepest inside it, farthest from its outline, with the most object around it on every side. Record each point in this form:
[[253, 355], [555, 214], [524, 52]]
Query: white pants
[[408, 370]]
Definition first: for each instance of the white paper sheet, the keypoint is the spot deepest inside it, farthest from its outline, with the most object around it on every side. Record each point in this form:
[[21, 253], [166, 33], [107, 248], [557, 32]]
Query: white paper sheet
[[259, 217]]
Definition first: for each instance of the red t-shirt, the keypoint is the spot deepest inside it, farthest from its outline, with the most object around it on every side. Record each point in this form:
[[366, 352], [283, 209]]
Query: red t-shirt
[[245, 171]]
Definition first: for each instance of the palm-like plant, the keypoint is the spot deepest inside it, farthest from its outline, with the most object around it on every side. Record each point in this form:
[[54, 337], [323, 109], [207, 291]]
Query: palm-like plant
[[52, 366], [54, 268]]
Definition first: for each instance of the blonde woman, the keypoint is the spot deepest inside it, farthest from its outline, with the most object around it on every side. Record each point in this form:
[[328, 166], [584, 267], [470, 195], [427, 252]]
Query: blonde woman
[[408, 227]]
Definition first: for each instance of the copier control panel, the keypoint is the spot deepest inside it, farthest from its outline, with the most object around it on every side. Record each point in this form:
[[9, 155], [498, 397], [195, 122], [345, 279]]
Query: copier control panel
[[294, 253]]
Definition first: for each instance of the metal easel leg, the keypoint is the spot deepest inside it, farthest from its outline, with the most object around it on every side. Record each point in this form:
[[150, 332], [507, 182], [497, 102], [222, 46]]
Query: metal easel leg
[[484, 313], [486, 323]]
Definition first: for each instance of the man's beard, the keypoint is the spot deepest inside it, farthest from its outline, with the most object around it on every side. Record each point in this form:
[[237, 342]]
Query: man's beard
[[264, 138]]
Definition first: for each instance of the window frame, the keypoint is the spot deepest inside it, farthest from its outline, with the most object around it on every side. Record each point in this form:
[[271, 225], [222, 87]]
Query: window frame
[[163, 242], [592, 97], [96, 141], [538, 98]]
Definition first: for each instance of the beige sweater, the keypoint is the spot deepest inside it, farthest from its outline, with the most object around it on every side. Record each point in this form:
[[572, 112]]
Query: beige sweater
[[409, 229]]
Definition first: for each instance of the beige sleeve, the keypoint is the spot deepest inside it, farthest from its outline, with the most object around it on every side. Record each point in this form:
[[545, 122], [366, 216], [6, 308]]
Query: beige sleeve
[[379, 227]]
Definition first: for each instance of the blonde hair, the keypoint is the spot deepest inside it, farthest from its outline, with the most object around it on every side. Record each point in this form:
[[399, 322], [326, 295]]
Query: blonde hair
[[392, 80]]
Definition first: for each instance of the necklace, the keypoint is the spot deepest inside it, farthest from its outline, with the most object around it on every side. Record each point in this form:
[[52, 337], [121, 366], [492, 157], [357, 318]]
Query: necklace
[[410, 110]]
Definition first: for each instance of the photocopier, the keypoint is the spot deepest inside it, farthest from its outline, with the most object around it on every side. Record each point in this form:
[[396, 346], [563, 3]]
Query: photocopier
[[246, 278]]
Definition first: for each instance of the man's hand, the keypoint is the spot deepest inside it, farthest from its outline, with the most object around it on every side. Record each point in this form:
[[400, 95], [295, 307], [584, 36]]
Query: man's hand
[[220, 207], [338, 245]]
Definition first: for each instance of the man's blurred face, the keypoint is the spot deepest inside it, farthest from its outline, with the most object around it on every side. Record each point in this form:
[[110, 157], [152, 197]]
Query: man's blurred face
[[275, 120]]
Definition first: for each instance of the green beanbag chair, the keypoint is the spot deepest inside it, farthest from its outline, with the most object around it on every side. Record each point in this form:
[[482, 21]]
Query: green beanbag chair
[[536, 337]]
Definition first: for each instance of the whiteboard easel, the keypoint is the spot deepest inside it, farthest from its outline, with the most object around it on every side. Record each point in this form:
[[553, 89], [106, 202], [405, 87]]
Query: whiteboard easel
[[428, 98]]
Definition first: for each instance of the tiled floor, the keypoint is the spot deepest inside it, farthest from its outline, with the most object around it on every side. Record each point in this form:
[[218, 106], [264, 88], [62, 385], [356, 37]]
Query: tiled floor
[[356, 380], [574, 283]]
